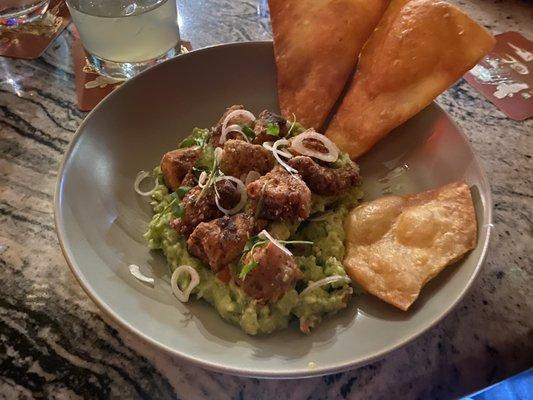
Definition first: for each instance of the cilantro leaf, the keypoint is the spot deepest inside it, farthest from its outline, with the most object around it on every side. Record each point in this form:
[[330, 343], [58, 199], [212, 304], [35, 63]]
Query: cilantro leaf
[[252, 241], [182, 191], [177, 210], [199, 137], [246, 269], [190, 142], [272, 129], [249, 132], [248, 246]]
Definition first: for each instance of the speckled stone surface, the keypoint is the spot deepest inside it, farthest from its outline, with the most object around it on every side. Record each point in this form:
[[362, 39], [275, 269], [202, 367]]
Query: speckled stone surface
[[55, 343]]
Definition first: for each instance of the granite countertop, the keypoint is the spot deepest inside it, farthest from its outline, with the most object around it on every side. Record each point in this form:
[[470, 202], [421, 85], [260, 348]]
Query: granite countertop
[[55, 343]]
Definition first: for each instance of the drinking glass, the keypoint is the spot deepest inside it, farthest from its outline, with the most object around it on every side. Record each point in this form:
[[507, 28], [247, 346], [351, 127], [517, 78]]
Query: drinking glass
[[15, 12], [124, 37], [262, 8]]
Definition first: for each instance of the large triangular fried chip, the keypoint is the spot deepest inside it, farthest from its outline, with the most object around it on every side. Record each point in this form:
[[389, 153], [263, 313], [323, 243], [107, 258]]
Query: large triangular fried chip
[[316, 44], [419, 48], [395, 245]]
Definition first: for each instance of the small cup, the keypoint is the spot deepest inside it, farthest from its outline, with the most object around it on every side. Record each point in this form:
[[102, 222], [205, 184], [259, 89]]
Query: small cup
[[16, 12], [124, 37]]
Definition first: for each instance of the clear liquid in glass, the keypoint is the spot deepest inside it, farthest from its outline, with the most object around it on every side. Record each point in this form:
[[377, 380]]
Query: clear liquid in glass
[[133, 32], [14, 12]]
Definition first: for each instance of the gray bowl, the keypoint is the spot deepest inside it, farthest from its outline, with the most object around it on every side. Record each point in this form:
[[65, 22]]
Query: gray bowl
[[100, 219]]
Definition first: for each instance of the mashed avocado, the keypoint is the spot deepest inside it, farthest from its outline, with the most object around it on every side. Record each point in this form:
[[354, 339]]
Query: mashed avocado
[[323, 259]]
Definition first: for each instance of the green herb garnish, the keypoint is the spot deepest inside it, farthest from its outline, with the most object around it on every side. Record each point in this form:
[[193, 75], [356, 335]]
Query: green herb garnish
[[295, 128], [246, 269], [200, 138], [190, 142], [182, 191], [272, 129], [178, 210], [212, 176], [174, 204], [248, 132], [168, 207], [255, 242], [249, 247]]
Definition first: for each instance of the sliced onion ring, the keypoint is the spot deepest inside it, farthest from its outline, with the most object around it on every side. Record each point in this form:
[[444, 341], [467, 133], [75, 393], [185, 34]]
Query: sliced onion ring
[[242, 191], [218, 154], [202, 179], [325, 281], [268, 146], [183, 295], [275, 151], [135, 270], [236, 128], [141, 176], [226, 128], [265, 235], [298, 145]]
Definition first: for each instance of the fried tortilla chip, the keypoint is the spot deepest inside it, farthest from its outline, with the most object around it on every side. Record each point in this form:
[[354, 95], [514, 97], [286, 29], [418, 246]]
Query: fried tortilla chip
[[395, 245], [316, 44], [419, 48]]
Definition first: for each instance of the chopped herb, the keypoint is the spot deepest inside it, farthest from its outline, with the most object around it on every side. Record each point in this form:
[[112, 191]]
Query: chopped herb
[[174, 198], [194, 141], [249, 244], [182, 191], [249, 247], [249, 132], [295, 129], [178, 210], [272, 129], [254, 242], [213, 174], [246, 269], [199, 137], [174, 204]]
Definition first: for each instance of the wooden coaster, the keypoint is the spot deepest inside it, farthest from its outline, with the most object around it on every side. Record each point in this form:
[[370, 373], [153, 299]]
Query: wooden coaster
[[505, 76], [91, 87], [29, 41]]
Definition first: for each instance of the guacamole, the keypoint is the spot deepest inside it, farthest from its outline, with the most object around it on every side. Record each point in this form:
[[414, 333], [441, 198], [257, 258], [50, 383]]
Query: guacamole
[[317, 261]]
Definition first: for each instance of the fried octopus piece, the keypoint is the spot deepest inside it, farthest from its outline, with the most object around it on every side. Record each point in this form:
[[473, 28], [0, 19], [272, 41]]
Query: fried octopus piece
[[176, 164], [217, 129], [276, 272], [325, 180], [265, 119], [202, 209], [240, 157], [279, 195], [219, 242]]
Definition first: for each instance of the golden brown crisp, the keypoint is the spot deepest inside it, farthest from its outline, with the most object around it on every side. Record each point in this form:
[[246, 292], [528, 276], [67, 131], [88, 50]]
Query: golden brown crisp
[[395, 245], [316, 44], [419, 48]]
